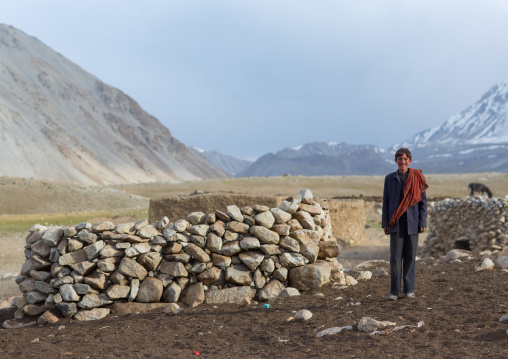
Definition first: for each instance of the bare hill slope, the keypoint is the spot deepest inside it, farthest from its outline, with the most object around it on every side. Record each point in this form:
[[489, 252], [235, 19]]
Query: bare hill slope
[[60, 123]]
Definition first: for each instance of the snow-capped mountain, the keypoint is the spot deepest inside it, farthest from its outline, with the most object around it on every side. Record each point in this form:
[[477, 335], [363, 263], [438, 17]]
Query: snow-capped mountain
[[474, 140], [484, 122]]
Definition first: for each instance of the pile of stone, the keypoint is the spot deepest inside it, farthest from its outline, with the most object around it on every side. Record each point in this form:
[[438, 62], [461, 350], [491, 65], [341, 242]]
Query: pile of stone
[[471, 223], [234, 256]]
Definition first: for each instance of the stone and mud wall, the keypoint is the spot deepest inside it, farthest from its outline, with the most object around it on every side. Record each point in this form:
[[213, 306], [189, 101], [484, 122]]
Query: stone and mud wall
[[235, 255], [472, 223], [347, 217]]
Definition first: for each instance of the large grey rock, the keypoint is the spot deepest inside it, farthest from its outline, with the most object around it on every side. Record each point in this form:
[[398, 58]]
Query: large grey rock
[[137, 249], [289, 244], [280, 274], [199, 229], [196, 253], [93, 314], [251, 259], [83, 268], [281, 229], [97, 280], [213, 242], [67, 309], [103, 226], [457, 253], [367, 324], [118, 291], [310, 276], [131, 268], [49, 317], [150, 260], [238, 274], [235, 213], [196, 218], [265, 219], [264, 234], [85, 235], [210, 276], [305, 220], [44, 287], [271, 290], [134, 289], [35, 297], [148, 231], [94, 301], [231, 248], [180, 225], [109, 264], [74, 245], [197, 267], [220, 260], [291, 260], [310, 251], [249, 242], [305, 236], [73, 257], [41, 248], [259, 279], [234, 295], [502, 261], [93, 250], [289, 207], [68, 293], [172, 293], [238, 227], [193, 295], [52, 236], [150, 290], [174, 269], [32, 310], [82, 288], [328, 249], [303, 315], [280, 215], [289, 292]]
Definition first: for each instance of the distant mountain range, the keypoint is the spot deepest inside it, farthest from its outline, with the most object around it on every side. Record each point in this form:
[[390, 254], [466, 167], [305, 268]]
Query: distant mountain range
[[60, 123], [229, 164], [475, 140]]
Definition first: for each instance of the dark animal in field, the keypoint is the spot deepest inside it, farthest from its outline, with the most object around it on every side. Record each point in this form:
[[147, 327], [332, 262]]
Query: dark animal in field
[[479, 187]]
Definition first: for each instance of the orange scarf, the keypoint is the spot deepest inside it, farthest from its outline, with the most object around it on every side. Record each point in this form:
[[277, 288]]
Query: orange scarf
[[413, 188]]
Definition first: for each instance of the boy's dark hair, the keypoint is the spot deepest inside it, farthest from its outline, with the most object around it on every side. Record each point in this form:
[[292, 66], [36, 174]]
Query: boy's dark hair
[[403, 151]]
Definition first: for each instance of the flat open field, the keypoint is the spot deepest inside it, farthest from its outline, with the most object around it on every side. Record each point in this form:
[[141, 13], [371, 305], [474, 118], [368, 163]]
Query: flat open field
[[460, 308]]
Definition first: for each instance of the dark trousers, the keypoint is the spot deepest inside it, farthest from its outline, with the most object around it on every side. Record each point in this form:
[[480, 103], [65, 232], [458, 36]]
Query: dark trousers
[[402, 261]]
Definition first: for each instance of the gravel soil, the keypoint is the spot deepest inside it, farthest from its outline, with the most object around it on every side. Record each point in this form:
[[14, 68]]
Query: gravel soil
[[459, 307]]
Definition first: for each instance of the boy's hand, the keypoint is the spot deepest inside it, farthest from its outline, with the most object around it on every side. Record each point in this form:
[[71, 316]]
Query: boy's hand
[[387, 230]]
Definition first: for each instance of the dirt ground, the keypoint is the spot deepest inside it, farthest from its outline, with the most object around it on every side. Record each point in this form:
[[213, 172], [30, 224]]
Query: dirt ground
[[460, 309]]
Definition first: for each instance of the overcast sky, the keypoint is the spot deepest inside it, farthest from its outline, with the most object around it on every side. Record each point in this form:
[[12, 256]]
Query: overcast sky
[[250, 77]]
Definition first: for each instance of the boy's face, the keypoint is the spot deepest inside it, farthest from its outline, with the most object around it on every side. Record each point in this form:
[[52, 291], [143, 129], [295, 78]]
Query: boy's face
[[403, 162]]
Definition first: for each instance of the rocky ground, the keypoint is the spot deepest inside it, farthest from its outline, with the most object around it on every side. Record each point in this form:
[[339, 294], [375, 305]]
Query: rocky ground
[[456, 314]]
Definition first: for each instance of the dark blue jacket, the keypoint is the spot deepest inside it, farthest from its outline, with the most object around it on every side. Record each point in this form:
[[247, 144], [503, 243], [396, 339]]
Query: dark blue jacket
[[416, 215]]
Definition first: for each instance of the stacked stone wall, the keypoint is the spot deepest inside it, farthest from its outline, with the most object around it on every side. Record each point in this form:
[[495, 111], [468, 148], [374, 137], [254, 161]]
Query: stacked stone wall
[[180, 206], [473, 223], [236, 255]]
